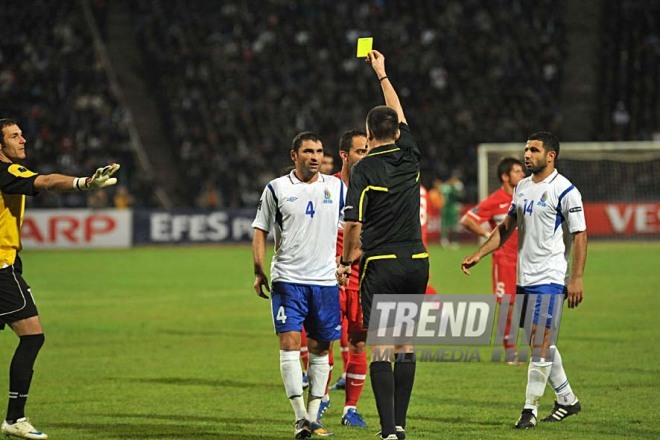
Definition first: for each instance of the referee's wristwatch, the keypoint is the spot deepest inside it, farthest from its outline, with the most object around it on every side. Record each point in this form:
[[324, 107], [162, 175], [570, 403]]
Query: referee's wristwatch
[[345, 263]]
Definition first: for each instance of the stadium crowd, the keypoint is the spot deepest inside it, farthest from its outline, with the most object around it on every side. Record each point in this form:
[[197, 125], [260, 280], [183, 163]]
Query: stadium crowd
[[237, 80], [630, 107], [52, 83]]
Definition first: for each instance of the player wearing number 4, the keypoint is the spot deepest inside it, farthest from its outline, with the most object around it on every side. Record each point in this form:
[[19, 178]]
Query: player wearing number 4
[[493, 209], [17, 307], [304, 210], [547, 210]]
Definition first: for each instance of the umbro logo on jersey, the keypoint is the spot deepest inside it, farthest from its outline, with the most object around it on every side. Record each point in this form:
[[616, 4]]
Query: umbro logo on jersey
[[292, 199]]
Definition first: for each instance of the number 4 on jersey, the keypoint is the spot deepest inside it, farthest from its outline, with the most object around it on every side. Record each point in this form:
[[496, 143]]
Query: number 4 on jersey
[[527, 207], [281, 316], [310, 209]]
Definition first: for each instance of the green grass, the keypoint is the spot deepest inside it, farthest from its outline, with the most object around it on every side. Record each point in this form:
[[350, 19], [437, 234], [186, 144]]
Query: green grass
[[172, 343]]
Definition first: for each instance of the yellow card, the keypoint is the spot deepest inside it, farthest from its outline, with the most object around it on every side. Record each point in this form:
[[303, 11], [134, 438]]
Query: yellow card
[[364, 45]]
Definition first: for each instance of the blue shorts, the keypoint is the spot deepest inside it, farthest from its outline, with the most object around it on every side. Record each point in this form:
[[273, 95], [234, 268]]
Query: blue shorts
[[315, 307], [544, 300]]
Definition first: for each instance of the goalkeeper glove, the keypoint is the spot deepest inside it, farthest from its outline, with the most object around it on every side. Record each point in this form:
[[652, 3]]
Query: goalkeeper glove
[[100, 179]]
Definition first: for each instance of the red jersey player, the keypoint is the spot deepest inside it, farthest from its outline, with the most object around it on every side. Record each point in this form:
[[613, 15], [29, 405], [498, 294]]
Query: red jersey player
[[424, 220], [493, 209], [352, 148]]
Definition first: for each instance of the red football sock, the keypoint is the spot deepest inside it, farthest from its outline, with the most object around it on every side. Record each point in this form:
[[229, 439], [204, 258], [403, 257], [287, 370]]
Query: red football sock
[[507, 333], [304, 353], [343, 342], [356, 373], [331, 361]]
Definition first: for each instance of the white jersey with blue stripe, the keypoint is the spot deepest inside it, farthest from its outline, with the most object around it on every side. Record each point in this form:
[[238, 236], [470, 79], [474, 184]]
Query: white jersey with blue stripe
[[304, 218], [547, 213]]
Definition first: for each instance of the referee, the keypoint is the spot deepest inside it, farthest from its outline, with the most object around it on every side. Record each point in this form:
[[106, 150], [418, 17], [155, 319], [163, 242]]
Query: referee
[[383, 207]]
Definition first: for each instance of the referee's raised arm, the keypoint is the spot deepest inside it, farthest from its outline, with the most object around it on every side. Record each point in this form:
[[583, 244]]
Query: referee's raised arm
[[377, 61]]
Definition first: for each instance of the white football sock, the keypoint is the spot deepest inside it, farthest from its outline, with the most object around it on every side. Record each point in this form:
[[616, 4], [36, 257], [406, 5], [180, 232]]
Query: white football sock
[[317, 371], [292, 378], [559, 382], [537, 378]]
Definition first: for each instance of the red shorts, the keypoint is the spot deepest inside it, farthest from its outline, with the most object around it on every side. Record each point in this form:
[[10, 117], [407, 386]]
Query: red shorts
[[349, 303], [504, 278]]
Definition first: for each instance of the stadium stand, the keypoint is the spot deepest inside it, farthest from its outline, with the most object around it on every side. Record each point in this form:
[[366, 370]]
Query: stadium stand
[[53, 84], [238, 79], [235, 80], [630, 107]]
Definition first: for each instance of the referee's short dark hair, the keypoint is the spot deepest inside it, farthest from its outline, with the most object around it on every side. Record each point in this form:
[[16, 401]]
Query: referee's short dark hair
[[304, 136], [505, 166], [383, 122], [550, 141], [346, 141]]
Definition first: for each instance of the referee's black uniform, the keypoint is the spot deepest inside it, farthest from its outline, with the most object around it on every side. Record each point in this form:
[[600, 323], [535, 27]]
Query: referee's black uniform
[[384, 197]]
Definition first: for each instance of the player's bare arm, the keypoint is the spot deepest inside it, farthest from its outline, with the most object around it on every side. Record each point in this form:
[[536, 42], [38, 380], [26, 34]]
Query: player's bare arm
[[377, 61], [54, 182], [575, 288], [471, 225], [60, 183], [497, 238], [351, 248], [258, 256]]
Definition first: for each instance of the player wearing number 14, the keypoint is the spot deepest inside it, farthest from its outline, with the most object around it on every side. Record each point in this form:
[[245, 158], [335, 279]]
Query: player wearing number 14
[[303, 209]]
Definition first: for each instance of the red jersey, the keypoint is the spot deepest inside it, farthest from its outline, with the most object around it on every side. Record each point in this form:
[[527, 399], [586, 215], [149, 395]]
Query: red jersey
[[353, 280], [423, 212], [493, 209]]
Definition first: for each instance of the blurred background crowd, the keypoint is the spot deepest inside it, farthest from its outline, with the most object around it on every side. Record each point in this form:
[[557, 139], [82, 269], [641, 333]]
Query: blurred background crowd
[[234, 81]]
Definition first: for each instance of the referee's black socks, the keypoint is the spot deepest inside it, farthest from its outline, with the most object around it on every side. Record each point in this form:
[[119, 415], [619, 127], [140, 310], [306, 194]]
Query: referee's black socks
[[20, 375], [382, 382], [404, 378]]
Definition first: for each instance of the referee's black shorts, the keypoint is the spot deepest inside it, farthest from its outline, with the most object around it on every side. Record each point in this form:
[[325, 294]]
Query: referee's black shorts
[[16, 300], [397, 273]]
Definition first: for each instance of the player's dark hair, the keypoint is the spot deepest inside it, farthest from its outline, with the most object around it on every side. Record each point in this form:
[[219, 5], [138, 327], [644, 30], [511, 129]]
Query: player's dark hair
[[5, 122], [550, 141], [304, 136], [383, 123], [346, 141], [505, 166]]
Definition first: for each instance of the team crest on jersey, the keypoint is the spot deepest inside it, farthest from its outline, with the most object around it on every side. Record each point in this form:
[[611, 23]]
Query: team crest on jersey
[[544, 198], [327, 197]]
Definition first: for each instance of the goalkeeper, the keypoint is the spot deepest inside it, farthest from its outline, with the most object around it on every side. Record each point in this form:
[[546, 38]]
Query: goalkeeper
[[17, 308]]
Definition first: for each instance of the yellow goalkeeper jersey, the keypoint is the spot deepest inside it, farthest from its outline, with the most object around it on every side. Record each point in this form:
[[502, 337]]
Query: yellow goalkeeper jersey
[[16, 182]]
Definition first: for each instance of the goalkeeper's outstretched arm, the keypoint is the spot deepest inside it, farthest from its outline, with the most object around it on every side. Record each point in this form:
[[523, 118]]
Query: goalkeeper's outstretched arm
[[61, 183]]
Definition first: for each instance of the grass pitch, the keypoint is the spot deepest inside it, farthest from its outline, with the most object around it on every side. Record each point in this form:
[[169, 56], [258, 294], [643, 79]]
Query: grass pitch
[[172, 343]]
